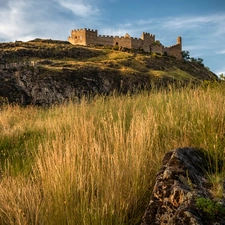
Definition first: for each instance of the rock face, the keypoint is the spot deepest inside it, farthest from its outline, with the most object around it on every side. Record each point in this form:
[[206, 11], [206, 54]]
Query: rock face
[[180, 181], [44, 87], [45, 72]]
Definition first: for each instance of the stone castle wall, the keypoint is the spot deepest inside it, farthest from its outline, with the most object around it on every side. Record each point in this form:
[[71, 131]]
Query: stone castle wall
[[105, 40], [137, 43], [91, 36], [174, 50], [146, 42], [125, 42], [157, 49]]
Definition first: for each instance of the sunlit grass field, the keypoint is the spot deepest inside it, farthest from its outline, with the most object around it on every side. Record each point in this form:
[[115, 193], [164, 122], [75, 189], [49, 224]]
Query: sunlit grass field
[[95, 162]]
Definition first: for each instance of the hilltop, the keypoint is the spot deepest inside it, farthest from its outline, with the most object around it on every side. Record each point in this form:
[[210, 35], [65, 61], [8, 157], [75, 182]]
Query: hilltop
[[44, 72]]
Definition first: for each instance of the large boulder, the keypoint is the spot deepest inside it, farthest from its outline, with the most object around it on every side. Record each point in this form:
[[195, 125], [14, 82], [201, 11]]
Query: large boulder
[[181, 180]]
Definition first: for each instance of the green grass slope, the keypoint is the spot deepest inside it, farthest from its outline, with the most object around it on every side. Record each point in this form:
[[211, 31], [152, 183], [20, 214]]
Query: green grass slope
[[55, 55]]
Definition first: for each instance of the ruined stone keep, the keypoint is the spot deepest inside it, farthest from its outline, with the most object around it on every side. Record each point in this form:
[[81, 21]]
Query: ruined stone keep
[[146, 42]]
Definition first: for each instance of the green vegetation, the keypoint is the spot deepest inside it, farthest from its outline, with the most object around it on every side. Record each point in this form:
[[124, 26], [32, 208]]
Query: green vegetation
[[186, 56], [95, 162], [116, 47], [44, 49], [58, 55], [157, 42], [216, 182], [210, 208]]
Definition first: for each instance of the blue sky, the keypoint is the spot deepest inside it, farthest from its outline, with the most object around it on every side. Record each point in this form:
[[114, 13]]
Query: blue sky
[[201, 23]]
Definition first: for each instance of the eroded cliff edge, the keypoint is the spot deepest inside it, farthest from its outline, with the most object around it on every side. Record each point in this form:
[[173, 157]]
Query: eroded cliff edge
[[45, 84], [41, 86], [60, 71]]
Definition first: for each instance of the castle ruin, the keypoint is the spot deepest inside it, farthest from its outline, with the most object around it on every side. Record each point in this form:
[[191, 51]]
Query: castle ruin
[[146, 42]]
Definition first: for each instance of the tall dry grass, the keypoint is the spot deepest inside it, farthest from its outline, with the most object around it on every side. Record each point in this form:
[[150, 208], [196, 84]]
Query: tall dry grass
[[95, 162]]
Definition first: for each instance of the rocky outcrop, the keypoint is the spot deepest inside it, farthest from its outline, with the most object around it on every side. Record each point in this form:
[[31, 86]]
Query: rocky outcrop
[[44, 87], [180, 181], [46, 72]]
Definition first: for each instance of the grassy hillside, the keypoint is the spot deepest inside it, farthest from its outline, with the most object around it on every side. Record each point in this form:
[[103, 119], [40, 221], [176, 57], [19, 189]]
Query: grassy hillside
[[58, 55], [46, 72], [95, 162]]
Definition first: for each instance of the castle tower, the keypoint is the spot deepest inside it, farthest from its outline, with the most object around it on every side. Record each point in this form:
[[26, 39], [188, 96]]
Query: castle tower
[[83, 37], [179, 43], [91, 36], [78, 37], [148, 39], [179, 40]]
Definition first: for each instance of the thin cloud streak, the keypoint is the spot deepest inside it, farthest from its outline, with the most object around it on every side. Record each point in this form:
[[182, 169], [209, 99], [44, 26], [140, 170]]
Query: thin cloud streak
[[21, 20], [193, 22], [80, 9], [220, 52], [185, 23]]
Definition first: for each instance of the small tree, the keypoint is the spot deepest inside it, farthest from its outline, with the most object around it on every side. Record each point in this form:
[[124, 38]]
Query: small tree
[[196, 60], [200, 61], [186, 55], [192, 59]]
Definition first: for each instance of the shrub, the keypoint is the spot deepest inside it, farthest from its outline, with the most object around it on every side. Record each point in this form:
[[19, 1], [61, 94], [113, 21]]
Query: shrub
[[210, 207], [116, 47], [186, 55], [157, 42]]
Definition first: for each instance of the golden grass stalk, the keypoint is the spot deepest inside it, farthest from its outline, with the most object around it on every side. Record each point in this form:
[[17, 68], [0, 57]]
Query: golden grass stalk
[[95, 162]]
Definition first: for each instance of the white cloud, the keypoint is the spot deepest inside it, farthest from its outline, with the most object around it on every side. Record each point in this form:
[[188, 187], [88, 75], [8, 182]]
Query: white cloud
[[191, 22], [25, 20], [11, 18], [207, 26], [79, 8], [221, 52], [144, 22]]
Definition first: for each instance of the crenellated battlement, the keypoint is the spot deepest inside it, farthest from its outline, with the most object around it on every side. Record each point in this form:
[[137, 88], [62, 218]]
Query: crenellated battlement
[[105, 36], [91, 30], [172, 46], [146, 41], [151, 35], [77, 30], [122, 37], [132, 38]]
